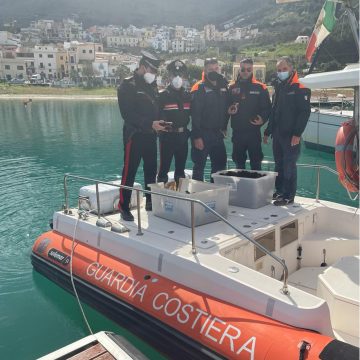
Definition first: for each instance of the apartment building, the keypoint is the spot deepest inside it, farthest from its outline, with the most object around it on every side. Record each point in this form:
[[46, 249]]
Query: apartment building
[[209, 32], [45, 60], [16, 63]]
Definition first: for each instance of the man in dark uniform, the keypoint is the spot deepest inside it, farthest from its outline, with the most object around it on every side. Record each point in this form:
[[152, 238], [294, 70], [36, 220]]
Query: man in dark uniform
[[209, 115], [175, 110], [138, 103], [250, 109], [288, 119]]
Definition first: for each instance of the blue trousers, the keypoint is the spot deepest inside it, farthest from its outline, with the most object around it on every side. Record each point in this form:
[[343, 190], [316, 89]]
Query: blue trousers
[[215, 148], [285, 157], [247, 143]]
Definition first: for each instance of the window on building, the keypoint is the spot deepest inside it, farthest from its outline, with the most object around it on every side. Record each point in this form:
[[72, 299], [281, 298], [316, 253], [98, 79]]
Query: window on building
[[50, 56], [49, 70], [7, 67], [40, 55], [90, 51], [99, 48], [84, 51], [72, 59], [61, 58], [49, 64], [41, 65], [20, 67]]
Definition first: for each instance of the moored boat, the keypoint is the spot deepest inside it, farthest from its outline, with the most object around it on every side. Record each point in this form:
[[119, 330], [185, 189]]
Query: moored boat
[[323, 125], [262, 283]]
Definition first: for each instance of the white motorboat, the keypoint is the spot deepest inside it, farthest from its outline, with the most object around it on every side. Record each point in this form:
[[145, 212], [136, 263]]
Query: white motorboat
[[320, 132], [322, 127], [252, 285]]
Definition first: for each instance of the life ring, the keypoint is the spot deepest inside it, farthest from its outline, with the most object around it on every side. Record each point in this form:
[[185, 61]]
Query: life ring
[[347, 155]]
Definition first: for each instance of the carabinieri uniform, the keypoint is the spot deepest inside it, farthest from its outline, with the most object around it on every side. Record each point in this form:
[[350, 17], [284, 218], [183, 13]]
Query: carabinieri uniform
[[174, 108], [138, 103]]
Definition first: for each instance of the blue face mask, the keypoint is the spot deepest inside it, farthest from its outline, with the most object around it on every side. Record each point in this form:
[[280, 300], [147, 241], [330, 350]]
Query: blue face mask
[[283, 75]]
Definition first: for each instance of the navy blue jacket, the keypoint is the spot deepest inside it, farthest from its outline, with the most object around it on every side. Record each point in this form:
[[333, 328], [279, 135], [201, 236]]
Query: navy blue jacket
[[254, 99], [209, 108], [291, 108]]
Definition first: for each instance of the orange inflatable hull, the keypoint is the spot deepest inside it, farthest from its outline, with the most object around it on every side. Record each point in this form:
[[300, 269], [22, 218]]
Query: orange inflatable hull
[[230, 331]]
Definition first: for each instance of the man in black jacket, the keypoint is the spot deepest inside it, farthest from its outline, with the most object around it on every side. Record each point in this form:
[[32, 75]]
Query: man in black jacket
[[209, 118], [250, 109], [288, 119], [138, 103], [175, 110]]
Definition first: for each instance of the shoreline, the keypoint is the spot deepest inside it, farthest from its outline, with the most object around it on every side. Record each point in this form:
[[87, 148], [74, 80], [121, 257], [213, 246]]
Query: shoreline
[[55, 97]]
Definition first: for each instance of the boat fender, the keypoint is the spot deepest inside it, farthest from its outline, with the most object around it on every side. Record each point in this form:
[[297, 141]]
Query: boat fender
[[304, 346], [347, 164]]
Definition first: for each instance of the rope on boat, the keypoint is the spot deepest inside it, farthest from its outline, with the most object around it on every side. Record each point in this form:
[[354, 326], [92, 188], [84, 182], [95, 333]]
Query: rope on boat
[[72, 278]]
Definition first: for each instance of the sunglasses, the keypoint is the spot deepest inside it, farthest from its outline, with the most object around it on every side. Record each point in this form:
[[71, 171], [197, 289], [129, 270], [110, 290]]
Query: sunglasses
[[245, 70], [211, 61]]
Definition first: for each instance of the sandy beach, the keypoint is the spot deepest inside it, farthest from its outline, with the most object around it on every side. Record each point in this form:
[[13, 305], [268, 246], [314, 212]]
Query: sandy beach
[[25, 97]]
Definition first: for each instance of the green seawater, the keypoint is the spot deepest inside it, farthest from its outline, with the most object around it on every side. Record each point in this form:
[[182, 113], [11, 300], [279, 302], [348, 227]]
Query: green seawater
[[38, 145]]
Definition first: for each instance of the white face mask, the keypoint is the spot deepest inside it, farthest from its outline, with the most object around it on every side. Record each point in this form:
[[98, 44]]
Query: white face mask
[[177, 82], [283, 75], [149, 77]]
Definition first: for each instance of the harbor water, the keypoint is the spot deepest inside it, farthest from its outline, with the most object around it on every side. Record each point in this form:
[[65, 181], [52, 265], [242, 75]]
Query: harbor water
[[39, 143]]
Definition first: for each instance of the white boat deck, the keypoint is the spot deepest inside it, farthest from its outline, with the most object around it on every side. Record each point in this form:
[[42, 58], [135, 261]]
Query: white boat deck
[[226, 265]]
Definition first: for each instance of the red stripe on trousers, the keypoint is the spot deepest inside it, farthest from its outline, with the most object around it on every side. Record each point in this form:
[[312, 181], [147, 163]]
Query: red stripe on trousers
[[160, 148], [126, 170]]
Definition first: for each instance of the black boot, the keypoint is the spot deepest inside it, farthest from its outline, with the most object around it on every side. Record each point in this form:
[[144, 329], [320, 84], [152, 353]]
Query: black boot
[[126, 215], [148, 205]]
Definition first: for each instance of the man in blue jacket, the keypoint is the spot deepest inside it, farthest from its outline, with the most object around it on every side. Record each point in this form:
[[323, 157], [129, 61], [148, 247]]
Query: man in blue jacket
[[250, 109], [209, 119], [288, 119]]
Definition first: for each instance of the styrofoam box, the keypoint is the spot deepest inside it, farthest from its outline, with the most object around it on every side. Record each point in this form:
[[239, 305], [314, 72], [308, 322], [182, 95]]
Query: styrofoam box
[[179, 211], [245, 192], [108, 196]]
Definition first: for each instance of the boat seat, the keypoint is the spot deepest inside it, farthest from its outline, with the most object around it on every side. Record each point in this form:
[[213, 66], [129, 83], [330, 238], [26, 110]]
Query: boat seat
[[339, 286], [306, 279]]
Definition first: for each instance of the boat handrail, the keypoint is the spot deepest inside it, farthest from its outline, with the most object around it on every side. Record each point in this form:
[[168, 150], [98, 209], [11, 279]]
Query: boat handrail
[[192, 202], [318, 167]]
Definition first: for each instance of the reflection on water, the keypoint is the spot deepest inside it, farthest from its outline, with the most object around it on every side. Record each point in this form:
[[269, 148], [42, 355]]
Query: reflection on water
[[38, 144]]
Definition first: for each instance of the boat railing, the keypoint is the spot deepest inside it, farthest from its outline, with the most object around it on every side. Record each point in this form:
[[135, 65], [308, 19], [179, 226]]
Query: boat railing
[[268, 163], [192, 206]]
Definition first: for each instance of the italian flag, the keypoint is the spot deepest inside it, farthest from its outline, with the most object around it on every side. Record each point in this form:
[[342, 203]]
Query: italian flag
[[323, 27]]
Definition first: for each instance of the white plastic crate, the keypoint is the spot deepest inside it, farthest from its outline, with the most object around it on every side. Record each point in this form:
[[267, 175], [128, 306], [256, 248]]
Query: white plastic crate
[[108, 197], [247, 192], [171, 175], [179, 211]]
